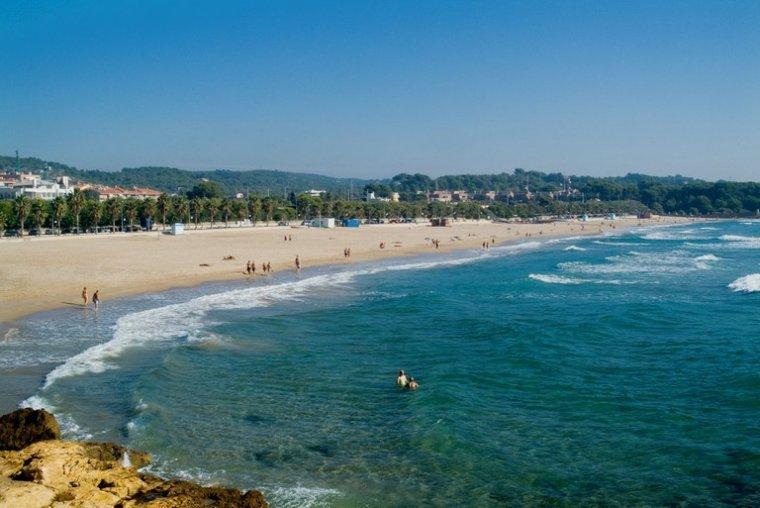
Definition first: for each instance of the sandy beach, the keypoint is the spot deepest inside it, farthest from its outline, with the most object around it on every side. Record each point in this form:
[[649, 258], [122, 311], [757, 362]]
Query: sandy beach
[[45, 273]]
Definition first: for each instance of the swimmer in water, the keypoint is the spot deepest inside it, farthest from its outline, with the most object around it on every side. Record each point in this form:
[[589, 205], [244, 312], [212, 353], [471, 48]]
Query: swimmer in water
[[413, 384], [401, 380]]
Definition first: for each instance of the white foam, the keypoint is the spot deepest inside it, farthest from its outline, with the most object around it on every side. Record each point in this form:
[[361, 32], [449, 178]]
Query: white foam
[[575, 248], [554, 279], [739, 238], [625, 244], [707, 257], [674, 262], [299, 496], [69, 427], [747, 284], [686, 234]]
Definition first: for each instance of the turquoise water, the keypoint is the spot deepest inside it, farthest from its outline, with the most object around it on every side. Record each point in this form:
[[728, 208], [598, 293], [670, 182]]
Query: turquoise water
[[612, 371]]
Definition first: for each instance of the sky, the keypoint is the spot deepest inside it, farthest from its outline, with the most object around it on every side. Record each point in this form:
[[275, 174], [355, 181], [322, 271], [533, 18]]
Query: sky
[[371, 89]]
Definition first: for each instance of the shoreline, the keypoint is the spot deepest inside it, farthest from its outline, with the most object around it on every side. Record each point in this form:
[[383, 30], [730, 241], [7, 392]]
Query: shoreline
[[154, 262]]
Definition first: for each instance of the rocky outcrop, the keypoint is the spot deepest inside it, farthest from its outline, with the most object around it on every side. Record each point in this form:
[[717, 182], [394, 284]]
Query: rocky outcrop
[[25, 426], [55, 473]]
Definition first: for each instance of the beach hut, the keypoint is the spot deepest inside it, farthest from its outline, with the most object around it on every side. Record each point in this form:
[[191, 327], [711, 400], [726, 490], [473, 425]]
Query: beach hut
[[351, 223], [178, 228], [324, 222]]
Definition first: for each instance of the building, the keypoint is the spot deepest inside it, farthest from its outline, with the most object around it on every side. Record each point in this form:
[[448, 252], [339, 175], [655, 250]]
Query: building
[[370, 196], [315, 193], [34, 187], [442, 196], [460, 196], [105, 192]]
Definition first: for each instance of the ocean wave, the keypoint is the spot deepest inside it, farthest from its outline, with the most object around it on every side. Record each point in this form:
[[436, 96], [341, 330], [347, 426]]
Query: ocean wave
[[560, 279], [69, 428], [554, 279], [747, 284], [624, 244], [739, 238], [575, 248], [675, 262], [675, 236]]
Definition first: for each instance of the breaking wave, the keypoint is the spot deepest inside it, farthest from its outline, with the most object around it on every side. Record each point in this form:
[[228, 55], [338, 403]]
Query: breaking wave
[[575, 248], [747, 284], [675, 262]]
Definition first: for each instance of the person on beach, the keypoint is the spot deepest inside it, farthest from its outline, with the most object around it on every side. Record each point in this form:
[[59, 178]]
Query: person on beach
[[248, 267], [382, 245], [96, 299], [290, 238], [85, 297], [253, 267], [298, 263], [413, 384], [402, 380]]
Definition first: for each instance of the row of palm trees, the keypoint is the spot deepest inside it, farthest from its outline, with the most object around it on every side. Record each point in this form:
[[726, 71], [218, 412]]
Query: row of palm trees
[[81, 211]]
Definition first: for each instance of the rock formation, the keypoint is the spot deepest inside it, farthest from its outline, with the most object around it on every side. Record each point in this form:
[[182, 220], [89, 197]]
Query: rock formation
[[49, 472]]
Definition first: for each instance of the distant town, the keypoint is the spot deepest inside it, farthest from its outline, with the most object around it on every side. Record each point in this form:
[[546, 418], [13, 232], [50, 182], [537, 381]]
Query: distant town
[[37, 197]]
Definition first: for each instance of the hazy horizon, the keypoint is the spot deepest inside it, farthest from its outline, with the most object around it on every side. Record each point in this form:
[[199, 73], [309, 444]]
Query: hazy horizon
[[369, 90]]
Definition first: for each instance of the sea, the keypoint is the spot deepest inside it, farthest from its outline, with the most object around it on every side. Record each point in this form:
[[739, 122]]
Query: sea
[[616, 370]]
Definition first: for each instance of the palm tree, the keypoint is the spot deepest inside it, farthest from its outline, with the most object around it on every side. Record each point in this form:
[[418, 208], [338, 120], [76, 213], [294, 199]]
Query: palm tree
[[130, 211], [212, 206], [164, 206], [76, 202], [181, 208], [113, 211], [148, 210], [59, 210], [96, 214], [39, 213], [226, 211], [3, 221], [22, 206], [239, 210], [254, 208], [197, 205], [269, 209]]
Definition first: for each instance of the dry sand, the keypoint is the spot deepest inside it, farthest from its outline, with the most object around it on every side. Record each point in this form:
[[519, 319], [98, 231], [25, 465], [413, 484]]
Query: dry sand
[[49, 272]]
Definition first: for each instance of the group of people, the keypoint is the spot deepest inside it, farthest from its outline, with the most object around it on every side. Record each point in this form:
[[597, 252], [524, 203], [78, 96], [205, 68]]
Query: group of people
[[250, 267], [86, 298], [436, 242], [406, 382], [347, 253], [288, 238], [487, 244]]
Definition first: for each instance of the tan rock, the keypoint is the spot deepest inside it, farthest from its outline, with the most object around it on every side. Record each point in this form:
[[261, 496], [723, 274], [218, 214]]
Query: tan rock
[[15, 494]]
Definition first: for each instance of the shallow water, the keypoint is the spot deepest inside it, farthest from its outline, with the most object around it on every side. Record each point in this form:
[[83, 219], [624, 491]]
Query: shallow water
[[619, 370]]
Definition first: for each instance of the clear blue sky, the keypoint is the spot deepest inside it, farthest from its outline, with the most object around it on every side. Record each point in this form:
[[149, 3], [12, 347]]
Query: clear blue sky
[[369, 89]]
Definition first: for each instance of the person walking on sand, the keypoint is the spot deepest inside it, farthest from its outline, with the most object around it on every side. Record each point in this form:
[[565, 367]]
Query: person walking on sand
[[248, 267], [85, 297], [96, 299], [298, 263], [253, 267]]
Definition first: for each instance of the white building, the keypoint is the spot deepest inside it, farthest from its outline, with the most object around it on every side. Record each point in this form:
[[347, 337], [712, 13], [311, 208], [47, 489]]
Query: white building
[[315, 193], [33, 187]]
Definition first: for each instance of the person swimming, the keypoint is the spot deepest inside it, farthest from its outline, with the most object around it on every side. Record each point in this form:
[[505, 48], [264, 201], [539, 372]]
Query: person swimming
[[413, 384], [402, 380]]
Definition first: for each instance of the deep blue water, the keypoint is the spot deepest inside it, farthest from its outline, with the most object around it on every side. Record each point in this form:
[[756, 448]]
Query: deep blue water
[[598, 371]]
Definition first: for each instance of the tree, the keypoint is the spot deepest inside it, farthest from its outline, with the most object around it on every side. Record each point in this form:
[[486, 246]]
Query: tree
[[207, 189], [197, 205], [76, 202], [254, 208], [131, 206], [213, 205], [113, 208], [58, 208], [181, 208], [147, 211], [95, 212], [269, 209], [39, 214], [226, 208], [164, 206], [22, 206]]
